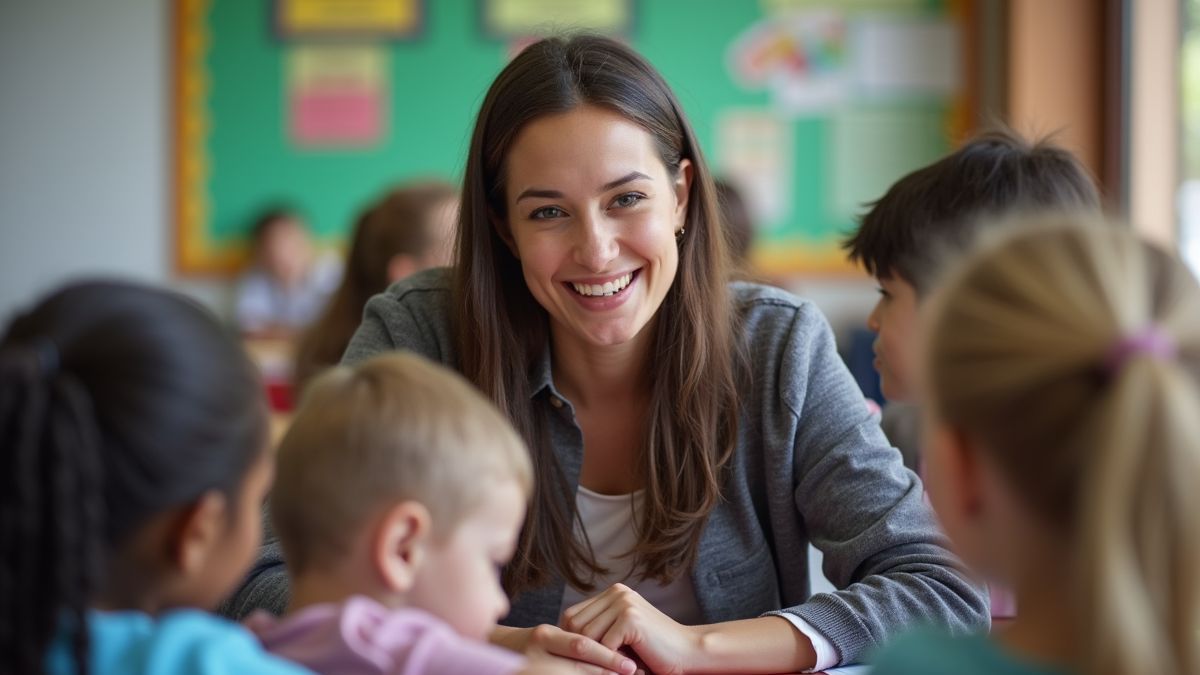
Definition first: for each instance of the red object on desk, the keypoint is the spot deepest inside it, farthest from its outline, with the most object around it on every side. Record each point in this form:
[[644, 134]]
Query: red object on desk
[[279, 395]]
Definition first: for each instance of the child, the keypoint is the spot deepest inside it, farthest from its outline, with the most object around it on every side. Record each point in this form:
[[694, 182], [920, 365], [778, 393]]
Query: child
[[133, 432], [287, 286], [919, 224], [410, 229], [399, 497], [932, 211], [1062, 392]]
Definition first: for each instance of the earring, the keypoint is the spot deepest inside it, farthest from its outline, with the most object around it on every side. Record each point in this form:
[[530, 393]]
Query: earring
[[679, 234]]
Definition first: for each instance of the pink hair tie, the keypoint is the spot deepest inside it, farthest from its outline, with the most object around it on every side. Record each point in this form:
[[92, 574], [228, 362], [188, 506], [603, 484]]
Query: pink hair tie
[[1151, 341]]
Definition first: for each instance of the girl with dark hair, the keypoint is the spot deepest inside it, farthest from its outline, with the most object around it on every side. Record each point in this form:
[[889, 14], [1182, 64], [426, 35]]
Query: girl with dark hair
[[690, 436], [133, 470]]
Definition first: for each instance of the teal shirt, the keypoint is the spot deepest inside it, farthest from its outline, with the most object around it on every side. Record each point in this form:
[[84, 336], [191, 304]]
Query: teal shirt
[[181, 642], [926, 652]]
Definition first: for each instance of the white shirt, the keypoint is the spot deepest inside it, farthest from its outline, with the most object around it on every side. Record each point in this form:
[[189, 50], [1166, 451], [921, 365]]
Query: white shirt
[[608, 523]]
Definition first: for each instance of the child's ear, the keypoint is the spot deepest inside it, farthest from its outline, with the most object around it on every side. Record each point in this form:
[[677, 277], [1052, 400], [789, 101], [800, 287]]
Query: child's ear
[[963, 467], [400, 544], [197, 532]]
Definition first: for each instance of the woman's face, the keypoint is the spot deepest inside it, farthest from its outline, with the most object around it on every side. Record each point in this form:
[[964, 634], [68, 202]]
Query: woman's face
[[592, 216]]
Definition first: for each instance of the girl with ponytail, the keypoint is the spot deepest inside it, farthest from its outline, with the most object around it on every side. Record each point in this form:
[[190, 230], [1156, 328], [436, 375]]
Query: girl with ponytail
[[1063, 452], [132, 470]]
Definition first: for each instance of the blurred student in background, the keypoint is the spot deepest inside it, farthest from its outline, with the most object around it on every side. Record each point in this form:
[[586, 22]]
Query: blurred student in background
[[739, 227], [410, 229], [287, 284], [1061, 386]]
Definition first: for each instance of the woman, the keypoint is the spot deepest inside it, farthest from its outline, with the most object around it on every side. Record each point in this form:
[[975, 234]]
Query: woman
[[690, 437]]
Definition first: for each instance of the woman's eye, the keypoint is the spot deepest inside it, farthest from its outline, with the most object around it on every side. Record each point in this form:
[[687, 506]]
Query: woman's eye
[[547, 212], [628, 199]]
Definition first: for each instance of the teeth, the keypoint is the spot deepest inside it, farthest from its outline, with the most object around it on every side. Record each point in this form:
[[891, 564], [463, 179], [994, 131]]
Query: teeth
[[608, 288]]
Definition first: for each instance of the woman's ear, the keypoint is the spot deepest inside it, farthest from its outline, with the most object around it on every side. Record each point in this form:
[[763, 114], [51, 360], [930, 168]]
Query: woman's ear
[[683, 189], [197, 532], [401, 541]]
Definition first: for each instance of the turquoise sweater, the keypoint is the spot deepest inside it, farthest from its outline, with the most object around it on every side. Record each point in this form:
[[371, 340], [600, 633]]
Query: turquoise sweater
[[181, 642], [927, 652]]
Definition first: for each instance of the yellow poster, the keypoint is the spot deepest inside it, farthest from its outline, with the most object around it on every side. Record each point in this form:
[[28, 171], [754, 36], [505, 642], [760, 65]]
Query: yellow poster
[[520, 18], [367, 18]]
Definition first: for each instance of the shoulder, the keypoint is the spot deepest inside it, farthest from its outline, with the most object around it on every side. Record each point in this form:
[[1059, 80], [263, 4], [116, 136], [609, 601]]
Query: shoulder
[[772, 314], [428, 289], [413, 314], [180, 641], [787, 340], [360, 630]]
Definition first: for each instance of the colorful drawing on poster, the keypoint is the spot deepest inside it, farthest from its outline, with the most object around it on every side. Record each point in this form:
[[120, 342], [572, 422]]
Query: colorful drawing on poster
[[800, 58], [337, 96], [755, 150], [515, 19], [348, 18], [816, 62]]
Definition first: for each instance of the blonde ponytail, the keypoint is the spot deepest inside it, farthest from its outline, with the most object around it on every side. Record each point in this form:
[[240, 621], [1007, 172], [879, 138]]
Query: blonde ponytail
[[1072, 350]]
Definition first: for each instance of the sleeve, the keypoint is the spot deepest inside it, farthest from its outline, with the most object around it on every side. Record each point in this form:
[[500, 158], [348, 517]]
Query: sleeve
[[866, 513], [265, 587], [193, 643], [390, 322], [417, 642], [465, 656], [826, 654]]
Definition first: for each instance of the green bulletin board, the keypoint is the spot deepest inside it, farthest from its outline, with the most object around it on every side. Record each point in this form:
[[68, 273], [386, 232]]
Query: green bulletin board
[[235, 151]]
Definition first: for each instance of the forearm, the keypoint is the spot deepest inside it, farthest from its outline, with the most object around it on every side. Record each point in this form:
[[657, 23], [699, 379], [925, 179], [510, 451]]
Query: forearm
[[768, 644]]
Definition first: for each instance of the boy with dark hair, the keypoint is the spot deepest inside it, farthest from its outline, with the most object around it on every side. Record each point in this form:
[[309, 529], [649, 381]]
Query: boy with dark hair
[[938, 209]]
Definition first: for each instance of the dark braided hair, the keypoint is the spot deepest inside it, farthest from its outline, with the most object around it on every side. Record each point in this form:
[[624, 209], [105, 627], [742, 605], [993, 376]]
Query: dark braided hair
[[117, 402]]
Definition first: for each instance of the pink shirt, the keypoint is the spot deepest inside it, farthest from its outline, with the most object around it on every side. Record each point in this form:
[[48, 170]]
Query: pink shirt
[[362, 636]]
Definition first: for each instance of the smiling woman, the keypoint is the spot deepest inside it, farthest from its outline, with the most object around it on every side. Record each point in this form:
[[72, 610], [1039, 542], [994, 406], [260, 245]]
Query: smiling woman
[[690, 436]]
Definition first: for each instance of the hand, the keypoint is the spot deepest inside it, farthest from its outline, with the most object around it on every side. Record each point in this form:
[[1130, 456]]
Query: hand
[[552, 647], [619, 617]]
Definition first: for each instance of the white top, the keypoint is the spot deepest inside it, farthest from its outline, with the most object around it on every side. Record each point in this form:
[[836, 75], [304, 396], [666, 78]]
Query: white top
[[608, 522]]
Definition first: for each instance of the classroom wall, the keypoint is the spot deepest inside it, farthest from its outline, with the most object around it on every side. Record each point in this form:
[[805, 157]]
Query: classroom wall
[[83, 134], [84, 161]]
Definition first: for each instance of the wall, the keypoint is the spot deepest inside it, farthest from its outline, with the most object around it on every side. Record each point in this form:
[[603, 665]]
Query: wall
[[83, 172]]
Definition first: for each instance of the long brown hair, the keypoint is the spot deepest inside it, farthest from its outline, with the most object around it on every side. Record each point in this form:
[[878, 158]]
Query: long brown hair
[[1101, 443], [502, 331], [402, 222]]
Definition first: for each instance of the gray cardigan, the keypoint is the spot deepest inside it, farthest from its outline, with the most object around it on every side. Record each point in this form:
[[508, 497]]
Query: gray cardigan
[[811, 465]]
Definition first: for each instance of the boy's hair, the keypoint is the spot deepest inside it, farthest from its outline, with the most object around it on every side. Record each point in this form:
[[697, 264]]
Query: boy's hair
[[938, 207], [393, 428], [1070, 352]]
